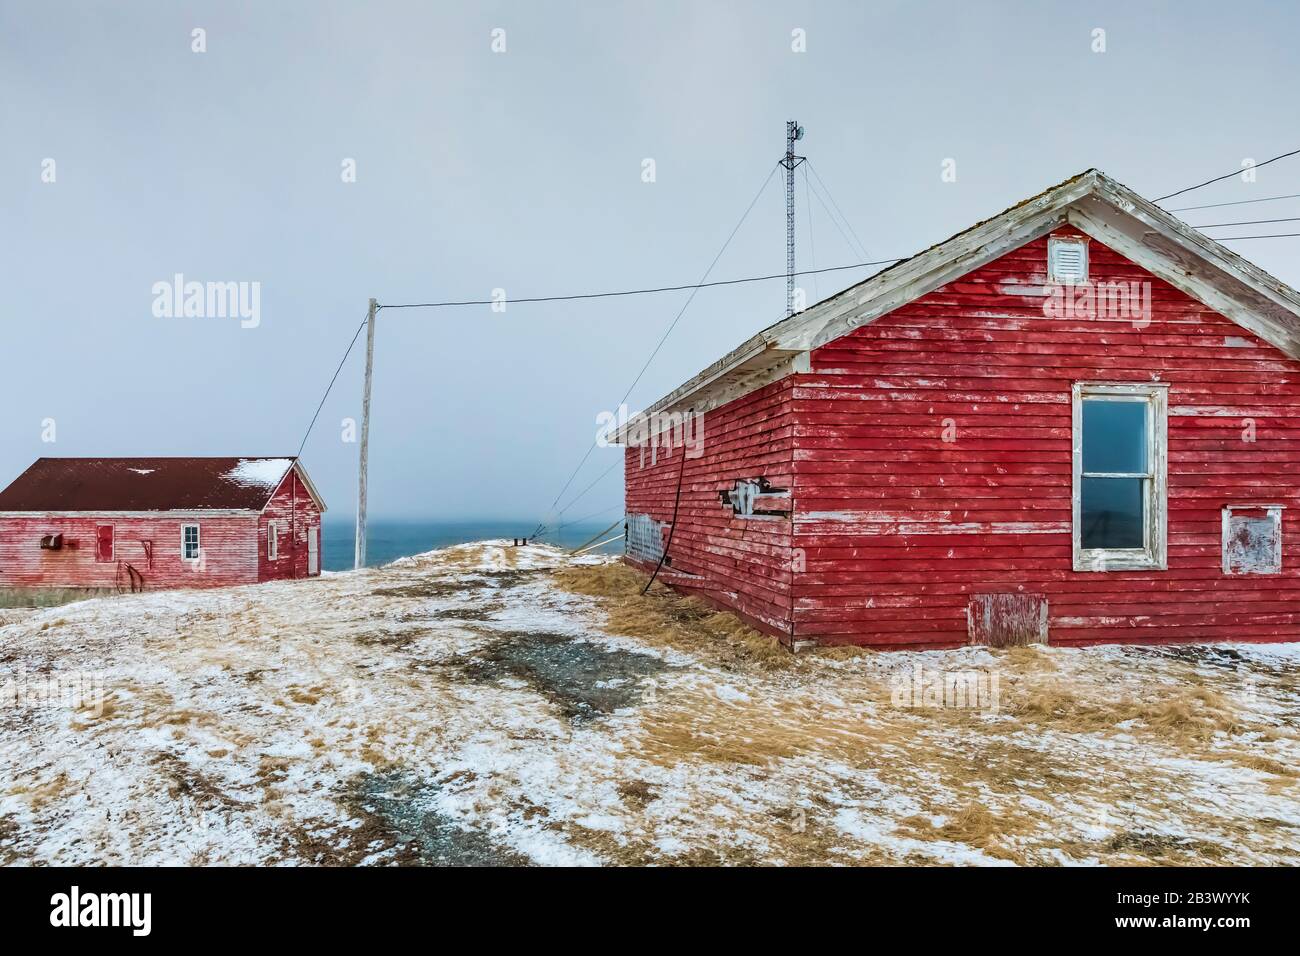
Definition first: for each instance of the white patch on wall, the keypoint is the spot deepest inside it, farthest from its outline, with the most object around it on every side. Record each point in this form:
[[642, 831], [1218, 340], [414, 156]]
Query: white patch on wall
[[750, 498], [1252, 539], [645, 537]]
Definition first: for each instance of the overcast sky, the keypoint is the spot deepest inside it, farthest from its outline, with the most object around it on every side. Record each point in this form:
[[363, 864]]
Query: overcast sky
[[523, 170]]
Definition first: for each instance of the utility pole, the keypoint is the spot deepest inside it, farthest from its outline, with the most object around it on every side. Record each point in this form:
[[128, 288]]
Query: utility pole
[[360, 558], [793, 133]]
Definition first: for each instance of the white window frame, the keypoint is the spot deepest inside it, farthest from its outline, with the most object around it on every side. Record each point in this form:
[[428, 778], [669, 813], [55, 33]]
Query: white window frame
[[1154, 555], [272, 541], [1053, 243], [198, 541]]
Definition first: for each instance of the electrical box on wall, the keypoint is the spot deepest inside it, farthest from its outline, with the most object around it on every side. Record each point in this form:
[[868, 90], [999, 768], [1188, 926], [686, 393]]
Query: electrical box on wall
[[756, 497]]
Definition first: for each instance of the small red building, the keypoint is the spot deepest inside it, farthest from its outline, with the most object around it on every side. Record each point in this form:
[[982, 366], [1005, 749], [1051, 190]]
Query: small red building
[[132, 524], [1074, 423]]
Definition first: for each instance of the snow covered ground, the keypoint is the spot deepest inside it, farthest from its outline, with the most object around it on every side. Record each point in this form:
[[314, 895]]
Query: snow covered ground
[[461, 707]]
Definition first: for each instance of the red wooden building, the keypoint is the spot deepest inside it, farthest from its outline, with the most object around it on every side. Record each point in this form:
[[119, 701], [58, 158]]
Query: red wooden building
[[131, 524], [1074, 422]]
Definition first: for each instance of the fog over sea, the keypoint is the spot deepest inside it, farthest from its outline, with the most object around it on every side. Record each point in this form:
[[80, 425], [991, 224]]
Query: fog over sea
[[388, 539]]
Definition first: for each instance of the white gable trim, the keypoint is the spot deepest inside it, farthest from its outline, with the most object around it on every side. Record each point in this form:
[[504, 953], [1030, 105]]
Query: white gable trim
[[311, 488], [1092, 202], [296, 468]]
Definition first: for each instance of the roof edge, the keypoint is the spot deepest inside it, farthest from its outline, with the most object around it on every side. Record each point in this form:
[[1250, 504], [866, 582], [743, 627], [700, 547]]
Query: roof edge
[[909, 279]]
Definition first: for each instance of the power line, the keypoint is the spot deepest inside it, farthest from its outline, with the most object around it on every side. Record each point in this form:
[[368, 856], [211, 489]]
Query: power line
[[544, 528], [1235, 172], [653, 290], [1248, 222], [667, 332], [718, 282], [626, 292], [577, 521], [704, 284], [812, 242], [331, 384], [1239, 202], [834, 221], [861, 245]]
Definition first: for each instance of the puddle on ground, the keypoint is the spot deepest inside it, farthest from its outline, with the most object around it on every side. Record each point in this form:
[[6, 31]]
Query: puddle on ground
[[399, 810], [1158, 845], [390, 638], [433, 589], [585, 680], [480, 612], [1222, 658], [461, 584], [510, 577]]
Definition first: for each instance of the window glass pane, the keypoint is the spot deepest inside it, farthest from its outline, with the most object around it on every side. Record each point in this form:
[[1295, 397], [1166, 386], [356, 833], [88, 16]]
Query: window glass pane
[[1114, 436], [1112, 510]]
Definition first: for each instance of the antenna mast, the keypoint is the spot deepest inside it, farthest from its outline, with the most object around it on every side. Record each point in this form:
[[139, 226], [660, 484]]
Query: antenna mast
[[793, 133]]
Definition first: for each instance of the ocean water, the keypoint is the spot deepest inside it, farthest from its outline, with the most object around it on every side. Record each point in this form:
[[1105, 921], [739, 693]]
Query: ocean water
[[387, 540]]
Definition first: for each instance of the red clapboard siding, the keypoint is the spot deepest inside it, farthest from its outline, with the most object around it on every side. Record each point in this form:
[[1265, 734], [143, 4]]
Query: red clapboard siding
[[228, 546], [296, 517], [868, 422], [745, 562], [921, 525], [232, 544]]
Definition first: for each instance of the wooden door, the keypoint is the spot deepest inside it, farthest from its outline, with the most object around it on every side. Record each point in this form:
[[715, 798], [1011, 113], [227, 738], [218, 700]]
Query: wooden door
[[313, 551]]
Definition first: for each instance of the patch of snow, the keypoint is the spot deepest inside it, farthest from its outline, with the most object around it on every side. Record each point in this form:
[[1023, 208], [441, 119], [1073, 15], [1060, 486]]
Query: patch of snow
[[259, 472], [239, 721], [730, 694]]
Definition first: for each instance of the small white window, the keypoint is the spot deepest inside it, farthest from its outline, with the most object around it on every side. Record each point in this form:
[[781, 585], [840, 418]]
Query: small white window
[[190, 542], [1067, 260], [272, 541], [1120, 499]]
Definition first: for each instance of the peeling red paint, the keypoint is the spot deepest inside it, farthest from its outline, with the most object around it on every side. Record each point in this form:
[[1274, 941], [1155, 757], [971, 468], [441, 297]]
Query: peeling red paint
[[893, 529], [125, 550]]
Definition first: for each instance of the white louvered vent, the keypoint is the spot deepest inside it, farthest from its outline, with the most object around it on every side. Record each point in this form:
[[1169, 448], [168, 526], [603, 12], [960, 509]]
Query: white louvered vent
[[1067, 260]]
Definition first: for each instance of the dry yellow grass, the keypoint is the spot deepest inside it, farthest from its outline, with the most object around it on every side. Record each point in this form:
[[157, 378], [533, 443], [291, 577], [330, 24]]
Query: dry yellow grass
[[1039, 688], [663, 616], [667, 618], [1195, 713], [739, 753], [975, 825]]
